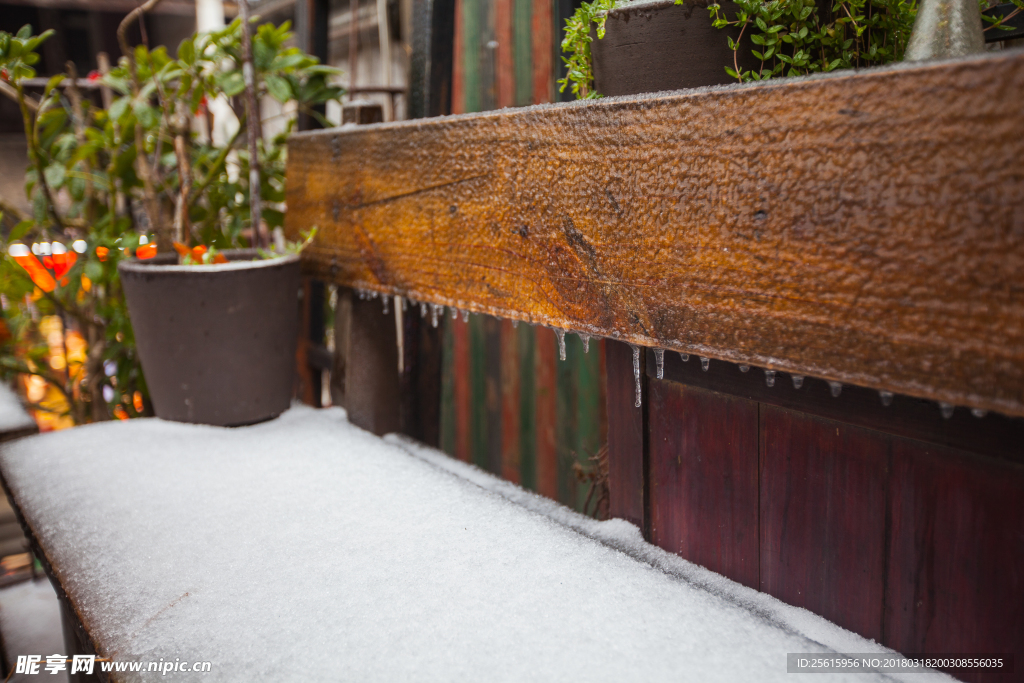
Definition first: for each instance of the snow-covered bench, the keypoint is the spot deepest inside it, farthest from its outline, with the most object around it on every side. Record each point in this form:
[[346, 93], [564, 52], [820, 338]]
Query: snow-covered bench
[[306, 549]]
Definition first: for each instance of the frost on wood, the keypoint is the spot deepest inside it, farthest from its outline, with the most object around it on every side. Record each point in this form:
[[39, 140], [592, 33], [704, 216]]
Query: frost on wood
[[305, 549]]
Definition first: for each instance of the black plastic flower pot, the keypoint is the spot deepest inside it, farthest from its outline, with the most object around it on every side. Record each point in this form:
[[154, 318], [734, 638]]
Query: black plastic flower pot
[[654, 46], [217, 342]]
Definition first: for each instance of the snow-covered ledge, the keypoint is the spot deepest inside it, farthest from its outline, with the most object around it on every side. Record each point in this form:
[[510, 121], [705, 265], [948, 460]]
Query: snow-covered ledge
[[308, 549]]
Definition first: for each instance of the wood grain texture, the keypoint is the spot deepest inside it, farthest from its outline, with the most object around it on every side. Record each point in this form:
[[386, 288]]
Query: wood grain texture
[[955, 580], [864, 228], [823, 493], [703, 478]]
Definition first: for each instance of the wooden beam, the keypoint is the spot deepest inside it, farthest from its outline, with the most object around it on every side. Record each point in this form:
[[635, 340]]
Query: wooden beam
[[865, 228]]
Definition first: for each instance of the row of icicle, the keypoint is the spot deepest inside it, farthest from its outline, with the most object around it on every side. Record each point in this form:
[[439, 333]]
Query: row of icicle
[[437, 311]]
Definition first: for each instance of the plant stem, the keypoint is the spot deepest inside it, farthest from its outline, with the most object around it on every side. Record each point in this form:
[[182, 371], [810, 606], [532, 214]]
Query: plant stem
[[163, 236], [37, 159], [252, 115]]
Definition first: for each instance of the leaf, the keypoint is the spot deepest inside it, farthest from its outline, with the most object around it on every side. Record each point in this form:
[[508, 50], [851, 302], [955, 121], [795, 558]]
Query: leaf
[[19, 230], [232, 83], [55, 174], [94, 270], [147, 115], [119, 108], [187, 51], [278, 88]]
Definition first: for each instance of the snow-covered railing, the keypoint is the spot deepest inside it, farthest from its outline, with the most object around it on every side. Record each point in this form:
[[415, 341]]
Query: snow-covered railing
[[862, 228], [305, 549]]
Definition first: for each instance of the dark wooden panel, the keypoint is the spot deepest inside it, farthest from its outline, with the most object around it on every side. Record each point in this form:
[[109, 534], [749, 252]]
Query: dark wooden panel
[[955, 581], [627, 451], [863, 227], [372, 383], [703, 469], [992, 434], [823, 488], [421, 377]]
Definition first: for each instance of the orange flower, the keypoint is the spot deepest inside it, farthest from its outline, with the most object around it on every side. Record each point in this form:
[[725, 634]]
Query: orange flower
[[219, 258], [181, 249], [197, 253], [146, 251], [102, 253], [40, 276]]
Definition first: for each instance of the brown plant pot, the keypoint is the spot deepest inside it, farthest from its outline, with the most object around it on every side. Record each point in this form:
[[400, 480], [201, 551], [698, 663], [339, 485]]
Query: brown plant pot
[[658, 46], [217, 343]]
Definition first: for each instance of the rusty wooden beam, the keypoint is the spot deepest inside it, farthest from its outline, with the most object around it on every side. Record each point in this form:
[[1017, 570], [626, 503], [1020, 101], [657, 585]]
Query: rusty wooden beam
[[865, 228]]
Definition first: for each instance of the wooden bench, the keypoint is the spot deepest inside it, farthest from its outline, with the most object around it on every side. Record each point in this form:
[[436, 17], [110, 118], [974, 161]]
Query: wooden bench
[[839, 258]]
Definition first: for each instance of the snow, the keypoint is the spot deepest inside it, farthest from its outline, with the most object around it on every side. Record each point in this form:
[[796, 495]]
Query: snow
[[307, 549], [30, 624], [13, 416]]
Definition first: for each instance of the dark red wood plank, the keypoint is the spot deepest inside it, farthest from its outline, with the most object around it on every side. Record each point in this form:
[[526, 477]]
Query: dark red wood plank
[[546, 406], [823, 487], [626, 434], [703, 488], [511, 445], [956, 562]]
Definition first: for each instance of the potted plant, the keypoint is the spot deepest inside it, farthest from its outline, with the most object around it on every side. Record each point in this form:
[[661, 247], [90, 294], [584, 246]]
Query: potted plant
[[114, 187]]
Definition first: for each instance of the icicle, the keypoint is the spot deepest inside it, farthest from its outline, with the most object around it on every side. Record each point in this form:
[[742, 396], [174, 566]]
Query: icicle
[[685, 357], [435, 312], [515, 324], [455, 313], [465, 316], [744, 368], [636, 372], [979, 412], [405, 304], [769, 377], [704, 363], [947, 409], [836, 387], [384, 300], [659, 356], [585, 338], [362, 295], [423, 310], [561, 344], [886, 397], [374, 294], [798, 381]]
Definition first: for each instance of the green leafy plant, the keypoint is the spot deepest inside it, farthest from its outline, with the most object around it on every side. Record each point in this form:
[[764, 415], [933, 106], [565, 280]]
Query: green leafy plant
[[577, 40], [789, 37], [796, 37], [106, 183]]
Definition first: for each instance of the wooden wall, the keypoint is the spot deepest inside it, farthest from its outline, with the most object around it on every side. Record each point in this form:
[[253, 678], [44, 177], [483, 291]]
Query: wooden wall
[[508, 404], [912, 543]]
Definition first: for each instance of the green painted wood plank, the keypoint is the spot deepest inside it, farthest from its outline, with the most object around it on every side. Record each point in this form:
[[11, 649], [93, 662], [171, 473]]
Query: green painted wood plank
[[447, 388], [522, 32], [566, 424], [471, 33]]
